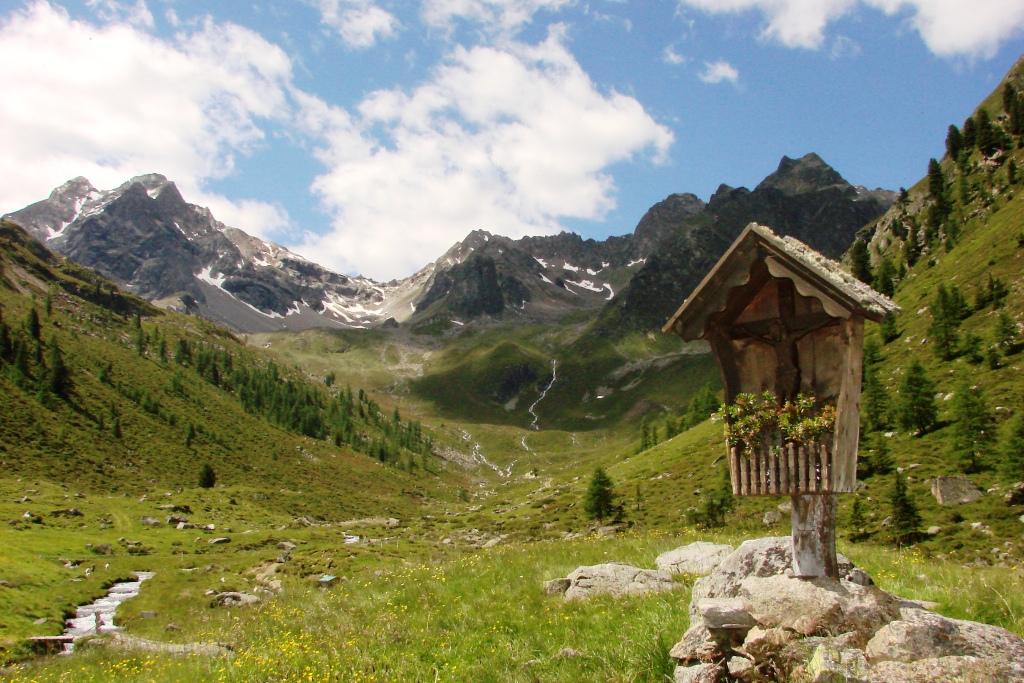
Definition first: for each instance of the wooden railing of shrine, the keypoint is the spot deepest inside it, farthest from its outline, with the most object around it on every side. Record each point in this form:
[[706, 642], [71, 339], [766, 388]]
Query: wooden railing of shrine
[[782, 470]]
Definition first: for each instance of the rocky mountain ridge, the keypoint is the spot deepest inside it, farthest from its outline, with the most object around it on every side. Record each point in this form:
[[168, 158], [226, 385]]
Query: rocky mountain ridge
[[804, 198], [146, 236]]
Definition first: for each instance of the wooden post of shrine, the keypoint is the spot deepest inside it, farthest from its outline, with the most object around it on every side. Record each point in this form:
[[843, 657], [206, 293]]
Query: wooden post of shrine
[[782, 318]]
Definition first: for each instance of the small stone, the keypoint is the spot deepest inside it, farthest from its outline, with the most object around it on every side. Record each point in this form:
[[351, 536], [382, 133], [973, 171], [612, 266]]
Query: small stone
[[740, 667], [726, 613], [286, 546], [556, 586], [698, 673], [219, 540], [760, 644], [233, 599], [172, 627], [40, 621], [933, 530], [697, 645], [830, 665], [150, 521], [568, 653], [771, 518]]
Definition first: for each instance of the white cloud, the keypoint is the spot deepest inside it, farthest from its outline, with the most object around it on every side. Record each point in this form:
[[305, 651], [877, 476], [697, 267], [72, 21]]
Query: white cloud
[[110, 102], [718, 72], [360, 23], [507, 139], [844, 47], [497, 16], [952, 27], [137, 14], [670, 56], [948, 27]]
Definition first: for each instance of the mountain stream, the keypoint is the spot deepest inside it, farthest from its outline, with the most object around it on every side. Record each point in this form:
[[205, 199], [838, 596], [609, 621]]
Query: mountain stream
[[98, 616]]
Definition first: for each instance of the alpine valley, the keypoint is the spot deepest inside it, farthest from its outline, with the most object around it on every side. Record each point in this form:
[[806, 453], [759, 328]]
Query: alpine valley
[[340, 479]]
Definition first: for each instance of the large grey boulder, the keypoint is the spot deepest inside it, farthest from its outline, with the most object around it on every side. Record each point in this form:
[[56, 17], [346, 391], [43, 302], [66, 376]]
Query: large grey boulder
[[818, 606], [762, 557], [954, 490], [616, 579], [921, 634], [966, 669], [699, 557]]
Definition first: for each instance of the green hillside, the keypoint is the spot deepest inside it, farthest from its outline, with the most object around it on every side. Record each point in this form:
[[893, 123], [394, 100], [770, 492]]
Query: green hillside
[[107, 401]]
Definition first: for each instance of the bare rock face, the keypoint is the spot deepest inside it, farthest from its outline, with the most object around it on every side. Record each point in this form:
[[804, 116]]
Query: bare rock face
[[700, 558], [954, 490], [615, 579]]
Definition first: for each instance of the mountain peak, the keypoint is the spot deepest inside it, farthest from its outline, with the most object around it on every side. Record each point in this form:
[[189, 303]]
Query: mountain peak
[[76, 187], [796, 176]]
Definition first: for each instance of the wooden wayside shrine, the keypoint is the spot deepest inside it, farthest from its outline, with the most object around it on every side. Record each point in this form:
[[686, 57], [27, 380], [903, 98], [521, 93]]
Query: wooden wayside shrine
[[782, 318]]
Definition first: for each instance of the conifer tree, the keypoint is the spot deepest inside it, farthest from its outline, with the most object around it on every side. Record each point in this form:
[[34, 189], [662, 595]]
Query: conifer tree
[[906, 521], [884, 276], [1012, 450], [936, 181], [599, 500], [6, 346], [969, 134], [1009, 97], [888, 328], [917, 409], [875, 401], [945, 320], [971, 347], [973, 427], [32, 323], [911, 247], [954, 142], [59, 375], [1005, 334], [880, 456], [987, 139], [860, 261], [207, 477], [701, 407], [857, 520]]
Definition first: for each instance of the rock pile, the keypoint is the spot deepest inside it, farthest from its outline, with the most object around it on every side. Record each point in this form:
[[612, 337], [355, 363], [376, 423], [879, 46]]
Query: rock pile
[[751, 620]]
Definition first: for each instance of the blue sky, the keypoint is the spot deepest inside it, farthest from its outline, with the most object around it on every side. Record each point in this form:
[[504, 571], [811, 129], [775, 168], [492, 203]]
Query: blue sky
[[370, 135]]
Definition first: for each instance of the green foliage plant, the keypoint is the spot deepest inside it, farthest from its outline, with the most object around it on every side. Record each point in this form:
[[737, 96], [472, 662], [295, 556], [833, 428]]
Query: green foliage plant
[[754, 420]]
